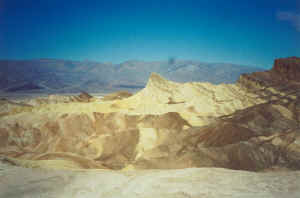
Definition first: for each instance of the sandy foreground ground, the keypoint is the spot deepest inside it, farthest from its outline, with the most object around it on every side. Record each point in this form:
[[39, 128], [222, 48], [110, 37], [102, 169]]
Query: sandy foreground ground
[[17, 182]]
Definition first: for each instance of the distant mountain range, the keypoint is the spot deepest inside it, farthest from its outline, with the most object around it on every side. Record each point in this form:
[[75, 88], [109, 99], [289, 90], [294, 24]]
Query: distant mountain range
[[51, 75]]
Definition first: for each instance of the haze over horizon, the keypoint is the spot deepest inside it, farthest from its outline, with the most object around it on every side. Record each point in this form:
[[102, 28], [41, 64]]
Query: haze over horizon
[[239, 32]]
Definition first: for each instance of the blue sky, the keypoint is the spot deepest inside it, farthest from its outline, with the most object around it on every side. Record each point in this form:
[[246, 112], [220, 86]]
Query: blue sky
[[248, 32]]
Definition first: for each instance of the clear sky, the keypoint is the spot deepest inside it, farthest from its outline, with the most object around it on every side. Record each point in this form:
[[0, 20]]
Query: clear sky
[[249, 32]]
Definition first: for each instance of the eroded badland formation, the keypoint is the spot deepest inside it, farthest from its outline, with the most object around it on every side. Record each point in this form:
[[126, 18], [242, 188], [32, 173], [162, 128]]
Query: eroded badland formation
[[252, 125]]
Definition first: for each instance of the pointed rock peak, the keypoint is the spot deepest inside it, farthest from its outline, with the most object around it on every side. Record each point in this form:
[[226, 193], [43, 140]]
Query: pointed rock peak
[[156, 79], [156, 76]]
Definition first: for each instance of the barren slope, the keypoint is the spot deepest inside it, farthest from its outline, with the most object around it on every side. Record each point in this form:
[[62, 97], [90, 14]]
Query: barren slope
[[59, 146], [251, 125]]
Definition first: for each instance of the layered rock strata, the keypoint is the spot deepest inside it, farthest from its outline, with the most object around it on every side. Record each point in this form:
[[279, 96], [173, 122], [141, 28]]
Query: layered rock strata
[[252, 125]]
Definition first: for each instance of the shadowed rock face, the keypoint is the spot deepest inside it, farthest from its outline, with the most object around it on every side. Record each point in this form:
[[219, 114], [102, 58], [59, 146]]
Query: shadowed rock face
[[288, 68], [112, 140], [284, 76], [252, 125], [256, 138]]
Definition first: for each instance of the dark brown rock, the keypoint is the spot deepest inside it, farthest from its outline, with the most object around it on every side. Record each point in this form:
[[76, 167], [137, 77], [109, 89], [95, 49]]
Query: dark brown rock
[[288, 68]]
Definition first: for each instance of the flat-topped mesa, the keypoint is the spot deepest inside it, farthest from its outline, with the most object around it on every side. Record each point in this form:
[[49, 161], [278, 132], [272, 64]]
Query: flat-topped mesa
[[286, 71], [288, 68]]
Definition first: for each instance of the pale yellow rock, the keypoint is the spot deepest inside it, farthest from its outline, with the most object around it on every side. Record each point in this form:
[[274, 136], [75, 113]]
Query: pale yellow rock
[[284, 111], [123, 131], [292, 97], [162, 96], [193, 101], [96, 144], [147, 140]]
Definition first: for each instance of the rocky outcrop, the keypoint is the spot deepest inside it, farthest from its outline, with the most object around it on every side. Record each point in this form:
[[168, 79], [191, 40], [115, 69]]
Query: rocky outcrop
[[256, 138], [196, 102], [113, 140], [8, 107], [83, 97], [288, 68], [285, 70], [252, 125], [116, 96], [279, 83]]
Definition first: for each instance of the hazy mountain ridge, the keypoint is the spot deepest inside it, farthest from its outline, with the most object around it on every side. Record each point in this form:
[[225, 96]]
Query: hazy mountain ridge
[[73, 76]]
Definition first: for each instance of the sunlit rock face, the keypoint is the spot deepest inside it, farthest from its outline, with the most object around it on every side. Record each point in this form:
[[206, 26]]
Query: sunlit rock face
[[252, 125], [199, 103]]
